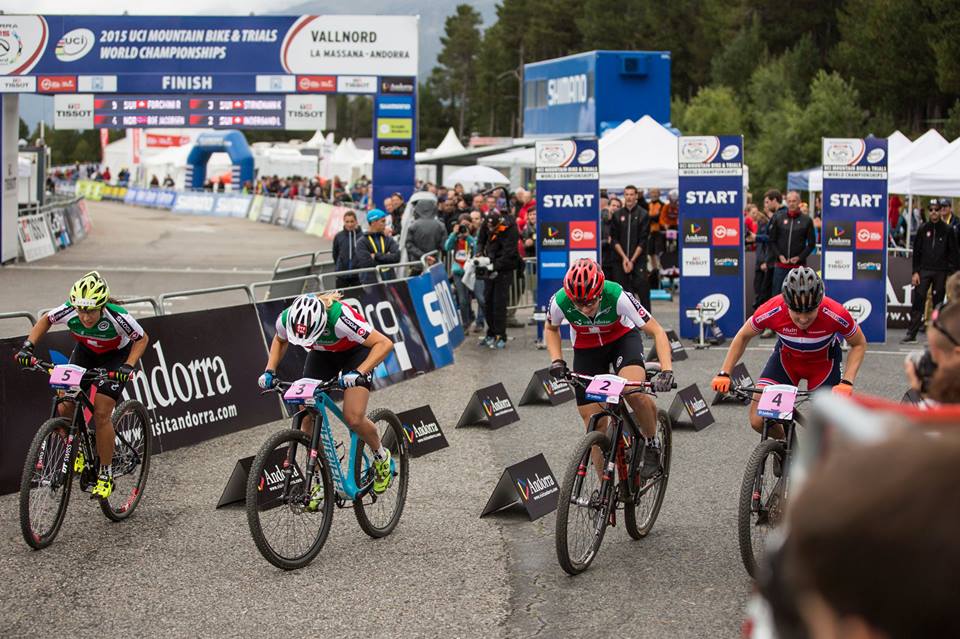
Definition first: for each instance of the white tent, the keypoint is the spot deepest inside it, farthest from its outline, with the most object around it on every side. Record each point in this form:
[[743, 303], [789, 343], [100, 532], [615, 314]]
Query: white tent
[[449, 146], [285, 162], [940, 175], [644, 155], [917, 157], [524, 158], [612, 134], [898, 144], [899, 150]]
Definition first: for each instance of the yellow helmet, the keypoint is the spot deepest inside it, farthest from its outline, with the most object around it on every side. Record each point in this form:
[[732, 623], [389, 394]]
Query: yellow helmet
[[89, 292]]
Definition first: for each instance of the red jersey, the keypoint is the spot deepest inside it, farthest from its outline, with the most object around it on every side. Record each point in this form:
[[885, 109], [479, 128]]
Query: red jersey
[[812, 343]]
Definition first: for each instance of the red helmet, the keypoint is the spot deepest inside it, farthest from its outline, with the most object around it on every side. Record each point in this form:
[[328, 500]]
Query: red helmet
[[584, 281]]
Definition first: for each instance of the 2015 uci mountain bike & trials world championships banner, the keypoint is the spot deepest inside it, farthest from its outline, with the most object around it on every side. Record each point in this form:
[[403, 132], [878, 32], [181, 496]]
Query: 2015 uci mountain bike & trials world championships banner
[[197, 378], [711, 230]]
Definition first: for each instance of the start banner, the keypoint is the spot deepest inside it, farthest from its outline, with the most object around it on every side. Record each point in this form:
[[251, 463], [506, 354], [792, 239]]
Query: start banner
[[855, 229], [711, 230]]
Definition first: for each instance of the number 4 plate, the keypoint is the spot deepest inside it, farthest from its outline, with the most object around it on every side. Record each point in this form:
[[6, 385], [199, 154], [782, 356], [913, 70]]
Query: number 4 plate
[[777, 401], [605, 388]]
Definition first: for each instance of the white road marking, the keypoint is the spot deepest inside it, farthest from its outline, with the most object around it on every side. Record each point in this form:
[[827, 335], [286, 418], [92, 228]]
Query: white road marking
[[139, 269]]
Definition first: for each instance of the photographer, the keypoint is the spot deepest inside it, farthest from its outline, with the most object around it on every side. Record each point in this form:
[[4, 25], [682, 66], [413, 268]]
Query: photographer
[[463, 245], [500, 242], [529, 232], [943, 349]]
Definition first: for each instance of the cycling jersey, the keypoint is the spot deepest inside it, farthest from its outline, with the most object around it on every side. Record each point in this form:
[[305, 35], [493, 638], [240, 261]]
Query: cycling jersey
[[345, 329], [811, 353], [115, 329], [619, 313]]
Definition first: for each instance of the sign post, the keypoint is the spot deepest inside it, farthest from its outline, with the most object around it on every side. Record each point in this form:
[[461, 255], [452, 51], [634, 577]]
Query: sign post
[[568, 211], [711, 231], [855, 229]]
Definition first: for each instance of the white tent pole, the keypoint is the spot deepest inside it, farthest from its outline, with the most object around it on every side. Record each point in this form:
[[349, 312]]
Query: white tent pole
[[909, 217]]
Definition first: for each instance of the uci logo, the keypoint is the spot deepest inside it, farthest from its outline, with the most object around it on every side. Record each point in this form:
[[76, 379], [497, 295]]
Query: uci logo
[[716, 302], [860, 308]]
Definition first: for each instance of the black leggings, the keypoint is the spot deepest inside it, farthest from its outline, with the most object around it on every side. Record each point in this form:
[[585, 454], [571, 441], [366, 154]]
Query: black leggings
[[497, 292]]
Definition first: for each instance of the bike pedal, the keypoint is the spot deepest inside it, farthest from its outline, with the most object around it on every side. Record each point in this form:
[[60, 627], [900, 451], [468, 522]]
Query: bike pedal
[[78, 463]]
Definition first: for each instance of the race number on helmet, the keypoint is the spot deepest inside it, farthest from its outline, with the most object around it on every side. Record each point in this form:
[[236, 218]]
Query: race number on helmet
[[584, 281]]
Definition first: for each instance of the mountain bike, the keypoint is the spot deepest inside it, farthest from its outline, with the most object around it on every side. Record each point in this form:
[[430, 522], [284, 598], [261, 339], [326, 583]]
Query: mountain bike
[[66, 446], [763, 492], [296, 479], [590, 496]]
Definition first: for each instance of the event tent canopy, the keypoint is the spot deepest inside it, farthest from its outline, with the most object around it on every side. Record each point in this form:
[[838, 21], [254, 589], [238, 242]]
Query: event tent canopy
[[644, 154], [940, 175], [927, 147]]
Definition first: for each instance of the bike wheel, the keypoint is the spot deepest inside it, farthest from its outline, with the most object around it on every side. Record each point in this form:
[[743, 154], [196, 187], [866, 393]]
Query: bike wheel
[[44, 486], [761, 504], [379, 514], [289, 527], [583, 508], [640, 516], [131, 459]]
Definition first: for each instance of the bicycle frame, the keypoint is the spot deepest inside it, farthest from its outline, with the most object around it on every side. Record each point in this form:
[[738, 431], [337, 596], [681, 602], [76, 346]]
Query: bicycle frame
[[77, 425], [620, 417]]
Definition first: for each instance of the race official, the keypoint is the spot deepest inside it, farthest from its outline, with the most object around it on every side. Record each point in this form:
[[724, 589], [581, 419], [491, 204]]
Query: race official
[[630, 235], [791, 239], [934, 259]]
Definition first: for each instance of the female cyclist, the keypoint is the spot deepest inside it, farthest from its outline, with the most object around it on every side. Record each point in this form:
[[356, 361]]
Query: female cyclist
[[340, 342], [107, 337]]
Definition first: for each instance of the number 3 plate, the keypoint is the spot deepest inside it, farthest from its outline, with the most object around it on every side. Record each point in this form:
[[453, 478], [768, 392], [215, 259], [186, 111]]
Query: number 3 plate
[[777, 401], [605, 388], [67, 376], [301, 391]]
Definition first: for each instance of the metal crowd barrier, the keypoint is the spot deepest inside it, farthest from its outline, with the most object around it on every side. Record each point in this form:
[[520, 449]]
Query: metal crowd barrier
[[18, 314]]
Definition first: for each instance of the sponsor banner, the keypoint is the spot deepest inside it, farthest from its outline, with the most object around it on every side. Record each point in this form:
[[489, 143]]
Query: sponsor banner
[[394, 128], [855, 220], [711, 228], [422, 430], [284, 212], [231, 205], [301, 215], [256, 204], [395, 106], [268, 209], [305, 112], [57, 84], [398, 150], [393, 163], [335, 222], [73, 111], [76, 221], [319, 219], [211, 53], [544, 389], [437, 314], [568, 214], [356, 84], [490, 406], [195, 202], [316, 84], [690, 406], [35, 239], [158, 141], [399, 85], [18, 84], [97, 83], [529, 484], [90, 190]]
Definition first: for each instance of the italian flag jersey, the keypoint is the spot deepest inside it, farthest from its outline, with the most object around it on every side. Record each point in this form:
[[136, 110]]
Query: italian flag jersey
[[115, 329], [346, 328], [619, 313]]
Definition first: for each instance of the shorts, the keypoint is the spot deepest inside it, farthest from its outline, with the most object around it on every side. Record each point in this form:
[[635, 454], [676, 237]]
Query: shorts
[[112, 360], [626, 351], [326, 365], [656, 243], [782, 368]]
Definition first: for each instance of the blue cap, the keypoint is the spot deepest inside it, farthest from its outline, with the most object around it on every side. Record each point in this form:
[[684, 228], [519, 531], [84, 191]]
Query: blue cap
[[375, 214]]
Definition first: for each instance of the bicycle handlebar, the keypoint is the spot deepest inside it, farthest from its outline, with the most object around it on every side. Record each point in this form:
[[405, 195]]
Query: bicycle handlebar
[[90, 374], [331, 384], [581, 379], [744, 390]]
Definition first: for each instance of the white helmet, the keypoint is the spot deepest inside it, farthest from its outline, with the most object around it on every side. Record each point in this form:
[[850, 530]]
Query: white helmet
[[306, 319]]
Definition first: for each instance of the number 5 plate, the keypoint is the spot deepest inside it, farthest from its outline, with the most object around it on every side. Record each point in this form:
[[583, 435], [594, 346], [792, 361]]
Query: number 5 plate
[[777, 401], [67, 376], [605, 388], [301, 391]]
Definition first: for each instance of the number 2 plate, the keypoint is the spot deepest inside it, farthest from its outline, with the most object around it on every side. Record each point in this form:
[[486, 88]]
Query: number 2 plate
[[301, 391], [605, 388], [777, 401], [67, 376]]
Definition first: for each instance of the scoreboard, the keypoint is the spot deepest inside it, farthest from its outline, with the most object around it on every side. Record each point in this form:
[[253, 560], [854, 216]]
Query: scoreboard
[[263, 111]]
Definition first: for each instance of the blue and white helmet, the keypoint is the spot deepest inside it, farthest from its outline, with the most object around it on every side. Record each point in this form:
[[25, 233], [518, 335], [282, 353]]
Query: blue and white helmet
[[306, 319]]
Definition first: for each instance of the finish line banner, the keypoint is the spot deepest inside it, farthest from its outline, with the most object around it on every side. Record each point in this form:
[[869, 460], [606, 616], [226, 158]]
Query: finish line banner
[[855, 229], [568, 210], [205, 54], [711, 230]]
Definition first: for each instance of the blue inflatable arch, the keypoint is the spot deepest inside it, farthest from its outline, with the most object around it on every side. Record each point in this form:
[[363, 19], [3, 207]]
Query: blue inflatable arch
[[234, 144]]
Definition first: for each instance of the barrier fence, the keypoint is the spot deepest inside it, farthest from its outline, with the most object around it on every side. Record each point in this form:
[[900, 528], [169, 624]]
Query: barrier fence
[[44, 230], [198, 376]]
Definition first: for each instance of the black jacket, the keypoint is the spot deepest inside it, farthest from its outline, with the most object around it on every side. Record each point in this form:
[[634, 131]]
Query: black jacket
[[501, 246], [935, 248], [764, 253], [791, 236], [376, 249], [630, 228], [345, 249]]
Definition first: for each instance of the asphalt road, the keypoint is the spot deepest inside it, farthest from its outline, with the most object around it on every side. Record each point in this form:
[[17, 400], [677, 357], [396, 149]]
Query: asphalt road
[[179, 567]]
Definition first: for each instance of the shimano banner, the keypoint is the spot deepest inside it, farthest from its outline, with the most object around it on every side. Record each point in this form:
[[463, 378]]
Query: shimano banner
[[855, 229], [711, 230], [568, 210]]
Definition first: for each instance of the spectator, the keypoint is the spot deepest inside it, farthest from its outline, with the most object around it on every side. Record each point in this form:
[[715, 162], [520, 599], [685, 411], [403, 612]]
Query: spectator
[[490, 204], [462, 245], [396, 214], [479, 287], [670, 215], [934, 258], [657, 241], [529, 233], [764, 267], [953, 287], [376, 248], [449, 214], [502, 238], [154, 182], [477, 203], [946, 213], [426, 233], [345, 250], [750, 216], [894, 205], [388, 204], [630, 233], [872, 553], [168, 182], [791, 238], [943, 347], [608, 258], [912, 218]]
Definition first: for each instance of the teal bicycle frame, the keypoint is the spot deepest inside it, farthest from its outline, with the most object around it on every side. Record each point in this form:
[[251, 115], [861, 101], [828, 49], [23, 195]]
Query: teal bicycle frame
[[346, 487]]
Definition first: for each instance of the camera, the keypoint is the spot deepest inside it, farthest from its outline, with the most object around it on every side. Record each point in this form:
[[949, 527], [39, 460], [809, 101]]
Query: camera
[[924, 366], [483, 268], [463, 229]]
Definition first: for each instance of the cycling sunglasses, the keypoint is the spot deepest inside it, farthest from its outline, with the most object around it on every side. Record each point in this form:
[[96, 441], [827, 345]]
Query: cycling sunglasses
[[935, 322]]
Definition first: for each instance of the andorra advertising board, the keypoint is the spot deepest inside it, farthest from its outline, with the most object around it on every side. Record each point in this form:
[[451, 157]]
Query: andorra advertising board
[[855, 229], [568, 210], [204, 54], [711, 230]]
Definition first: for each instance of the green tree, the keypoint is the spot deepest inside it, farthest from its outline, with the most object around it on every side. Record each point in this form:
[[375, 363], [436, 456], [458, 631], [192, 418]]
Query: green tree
[[713, 111], [738, 60], [455, 76], [433, 117], [24, 130], [943, 29], [951, 127]]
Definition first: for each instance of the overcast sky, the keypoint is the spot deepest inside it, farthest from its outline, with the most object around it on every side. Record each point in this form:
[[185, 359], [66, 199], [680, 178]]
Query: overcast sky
[[167, 7]]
